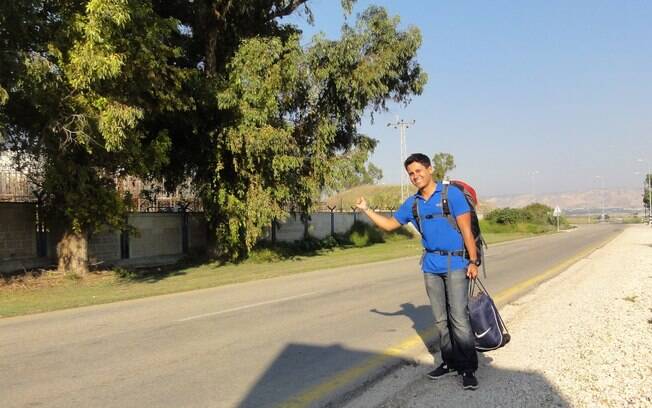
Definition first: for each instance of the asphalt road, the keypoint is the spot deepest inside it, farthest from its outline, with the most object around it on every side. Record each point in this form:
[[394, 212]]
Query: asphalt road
[[257, 344]]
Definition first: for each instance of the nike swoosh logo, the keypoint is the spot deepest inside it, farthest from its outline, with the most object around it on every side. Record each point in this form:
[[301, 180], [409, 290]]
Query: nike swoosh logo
[[482, 334]]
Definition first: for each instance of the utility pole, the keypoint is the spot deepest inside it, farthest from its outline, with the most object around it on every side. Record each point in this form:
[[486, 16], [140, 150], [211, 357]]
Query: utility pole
[[402, 125]]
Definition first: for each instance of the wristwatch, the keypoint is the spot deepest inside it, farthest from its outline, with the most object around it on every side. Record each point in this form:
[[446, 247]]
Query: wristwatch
[[475, 262]]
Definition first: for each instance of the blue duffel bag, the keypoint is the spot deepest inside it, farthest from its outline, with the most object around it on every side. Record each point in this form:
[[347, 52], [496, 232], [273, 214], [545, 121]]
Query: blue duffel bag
[[488, 327]]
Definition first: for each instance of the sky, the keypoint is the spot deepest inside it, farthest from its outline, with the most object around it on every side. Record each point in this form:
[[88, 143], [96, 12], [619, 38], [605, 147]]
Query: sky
[[529, 97]]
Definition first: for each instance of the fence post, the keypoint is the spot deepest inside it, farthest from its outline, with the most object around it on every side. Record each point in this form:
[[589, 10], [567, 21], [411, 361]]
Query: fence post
[[355, 214], [185, 225], [124, 241], [184, 232], [331, 209], [274, 222], [41, 230]]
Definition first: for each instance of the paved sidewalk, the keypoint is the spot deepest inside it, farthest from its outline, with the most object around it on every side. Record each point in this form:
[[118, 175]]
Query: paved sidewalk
[[582, 339]]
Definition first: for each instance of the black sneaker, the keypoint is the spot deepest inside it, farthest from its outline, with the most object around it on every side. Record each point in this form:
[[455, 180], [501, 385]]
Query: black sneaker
[[440, 371], [469, 382]]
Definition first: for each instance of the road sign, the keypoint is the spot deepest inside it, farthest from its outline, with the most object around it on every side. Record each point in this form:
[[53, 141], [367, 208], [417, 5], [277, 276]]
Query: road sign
[[557, 212]]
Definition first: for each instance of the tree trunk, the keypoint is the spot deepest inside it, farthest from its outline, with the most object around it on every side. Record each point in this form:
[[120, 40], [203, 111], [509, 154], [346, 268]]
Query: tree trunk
[[72, 251], [211, 56]]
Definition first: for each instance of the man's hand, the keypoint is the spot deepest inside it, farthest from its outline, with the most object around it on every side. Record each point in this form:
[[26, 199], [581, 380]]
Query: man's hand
[[361, 204], [385, 223], [472, 271]]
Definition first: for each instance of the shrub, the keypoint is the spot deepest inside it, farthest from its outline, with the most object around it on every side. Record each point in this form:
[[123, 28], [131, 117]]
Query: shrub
[[264, 255], [329, 242], [505, 216], [538, 214], [309, 244], [125, 273], [362, 234]]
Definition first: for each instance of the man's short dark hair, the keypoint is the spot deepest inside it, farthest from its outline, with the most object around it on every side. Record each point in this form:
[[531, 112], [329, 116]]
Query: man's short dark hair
[[419, 158]]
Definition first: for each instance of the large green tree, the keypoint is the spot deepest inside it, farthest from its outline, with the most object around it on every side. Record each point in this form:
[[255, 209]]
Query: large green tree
[[275, 120], [81, 82], [221, 93]]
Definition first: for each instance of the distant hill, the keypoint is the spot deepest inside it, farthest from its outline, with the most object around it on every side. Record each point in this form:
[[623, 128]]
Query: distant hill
[[388, 196], [591, 199]]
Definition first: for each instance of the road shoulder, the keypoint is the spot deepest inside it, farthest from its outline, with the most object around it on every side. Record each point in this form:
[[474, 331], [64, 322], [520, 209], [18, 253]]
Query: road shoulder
[[577, 341]]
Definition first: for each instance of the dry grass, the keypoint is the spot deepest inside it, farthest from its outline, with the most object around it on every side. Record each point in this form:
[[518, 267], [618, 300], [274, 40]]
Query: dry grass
[[43, 279], [387, 196], [44, 291]]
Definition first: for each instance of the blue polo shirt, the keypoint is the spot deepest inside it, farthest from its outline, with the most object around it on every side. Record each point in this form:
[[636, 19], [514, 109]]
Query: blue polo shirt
[[437, 232]]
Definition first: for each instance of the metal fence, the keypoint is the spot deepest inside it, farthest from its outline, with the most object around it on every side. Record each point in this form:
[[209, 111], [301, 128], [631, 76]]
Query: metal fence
[[14, 186], [145, 197], [152, 196]]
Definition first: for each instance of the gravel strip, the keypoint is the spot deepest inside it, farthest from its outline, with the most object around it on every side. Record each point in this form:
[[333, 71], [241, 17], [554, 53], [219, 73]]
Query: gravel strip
[[582, 339]]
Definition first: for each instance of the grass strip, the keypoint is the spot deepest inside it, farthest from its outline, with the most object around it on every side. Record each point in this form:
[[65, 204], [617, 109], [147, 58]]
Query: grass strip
[[53, 291]]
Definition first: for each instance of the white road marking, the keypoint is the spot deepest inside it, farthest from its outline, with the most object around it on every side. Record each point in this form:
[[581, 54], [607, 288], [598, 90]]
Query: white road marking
[[235, 309]]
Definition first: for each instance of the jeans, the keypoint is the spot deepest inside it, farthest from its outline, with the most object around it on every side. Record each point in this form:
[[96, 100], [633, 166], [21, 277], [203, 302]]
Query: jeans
[[449, 299]]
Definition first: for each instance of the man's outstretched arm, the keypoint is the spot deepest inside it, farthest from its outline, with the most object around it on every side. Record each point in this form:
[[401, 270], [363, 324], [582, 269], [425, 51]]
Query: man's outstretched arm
[[385, 223]]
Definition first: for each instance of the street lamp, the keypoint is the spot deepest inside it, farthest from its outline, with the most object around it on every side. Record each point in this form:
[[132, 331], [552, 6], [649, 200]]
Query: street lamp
[[649, 189], [401, 125]]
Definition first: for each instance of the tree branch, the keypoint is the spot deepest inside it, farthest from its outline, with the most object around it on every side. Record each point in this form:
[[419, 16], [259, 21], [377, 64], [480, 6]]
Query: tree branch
[[287, 10], [220, 14]]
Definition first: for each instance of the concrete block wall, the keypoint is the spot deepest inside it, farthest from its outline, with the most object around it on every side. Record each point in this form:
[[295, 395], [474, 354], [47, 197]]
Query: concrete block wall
[[290, 230], [159, 237], [320, 225], [17, 231], [159, 234], [197, 231], [104, 246]]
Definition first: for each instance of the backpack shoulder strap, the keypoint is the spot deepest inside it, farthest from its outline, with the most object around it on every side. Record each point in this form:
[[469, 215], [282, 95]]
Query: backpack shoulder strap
[[445, 206], [415, 214]]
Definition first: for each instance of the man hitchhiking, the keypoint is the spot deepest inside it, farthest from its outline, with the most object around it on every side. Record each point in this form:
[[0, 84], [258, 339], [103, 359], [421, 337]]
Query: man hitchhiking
[[446, 269]]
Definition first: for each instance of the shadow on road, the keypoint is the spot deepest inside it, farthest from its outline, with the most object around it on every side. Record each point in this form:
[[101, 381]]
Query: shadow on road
[[422, 320], [300, 373], [305, 375], [423, 324]]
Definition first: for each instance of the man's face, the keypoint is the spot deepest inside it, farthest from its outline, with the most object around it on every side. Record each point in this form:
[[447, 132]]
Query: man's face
[[420, 175]]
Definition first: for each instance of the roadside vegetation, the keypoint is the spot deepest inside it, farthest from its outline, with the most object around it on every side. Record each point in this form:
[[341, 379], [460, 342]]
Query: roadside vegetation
[[534, 219]]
